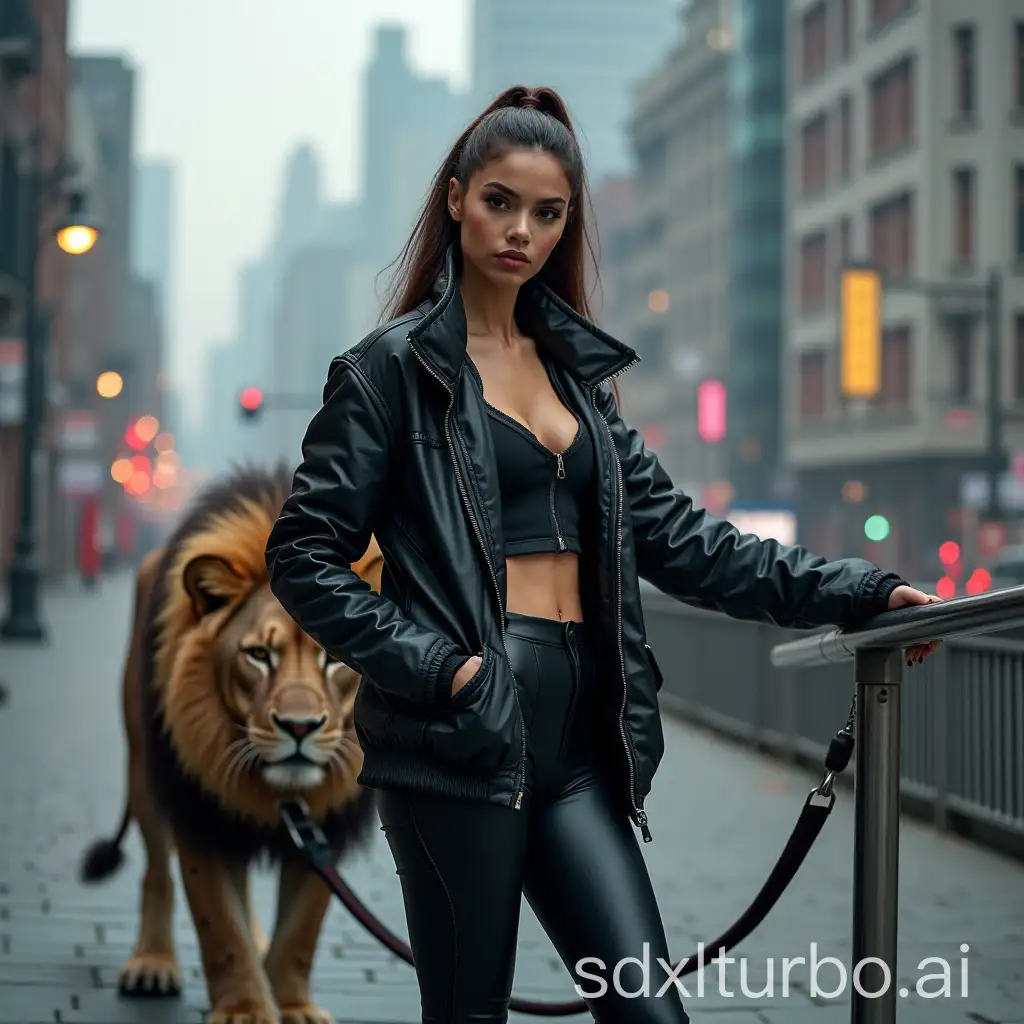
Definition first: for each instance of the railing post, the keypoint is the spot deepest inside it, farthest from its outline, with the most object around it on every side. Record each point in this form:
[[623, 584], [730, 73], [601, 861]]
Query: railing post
[[879, 675]]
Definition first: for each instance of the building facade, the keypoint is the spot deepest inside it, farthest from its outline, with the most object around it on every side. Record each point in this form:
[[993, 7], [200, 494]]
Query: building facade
[[906, 148], [755, 308], [674, 285], [34, 85]]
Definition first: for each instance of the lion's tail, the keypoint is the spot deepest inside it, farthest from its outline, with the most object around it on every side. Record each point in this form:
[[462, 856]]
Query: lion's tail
[[106, 856]]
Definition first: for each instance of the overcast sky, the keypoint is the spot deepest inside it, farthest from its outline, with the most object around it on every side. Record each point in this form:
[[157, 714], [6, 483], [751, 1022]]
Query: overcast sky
[[225, 90]]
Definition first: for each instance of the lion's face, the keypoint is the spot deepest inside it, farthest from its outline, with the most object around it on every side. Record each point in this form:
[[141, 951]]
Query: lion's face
[[291, 701], [254, 707]]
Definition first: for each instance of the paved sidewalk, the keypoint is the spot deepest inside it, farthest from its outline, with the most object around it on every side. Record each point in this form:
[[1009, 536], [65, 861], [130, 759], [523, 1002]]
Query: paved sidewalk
[[719, 816]]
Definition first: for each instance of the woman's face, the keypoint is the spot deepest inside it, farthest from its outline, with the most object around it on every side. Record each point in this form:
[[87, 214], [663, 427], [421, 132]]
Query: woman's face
[[512, 214]]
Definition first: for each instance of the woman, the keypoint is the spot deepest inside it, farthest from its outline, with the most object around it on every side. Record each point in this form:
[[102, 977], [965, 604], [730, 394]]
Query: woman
[[509, 712]]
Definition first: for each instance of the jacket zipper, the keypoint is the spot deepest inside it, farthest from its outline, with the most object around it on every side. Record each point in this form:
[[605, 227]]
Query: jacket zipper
[[639, 815], [559, 474], [520, 768]]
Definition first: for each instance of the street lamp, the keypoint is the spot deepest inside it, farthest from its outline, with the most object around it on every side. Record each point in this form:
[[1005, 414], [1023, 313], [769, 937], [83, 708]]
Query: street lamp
[[79, 230], [76, 233]]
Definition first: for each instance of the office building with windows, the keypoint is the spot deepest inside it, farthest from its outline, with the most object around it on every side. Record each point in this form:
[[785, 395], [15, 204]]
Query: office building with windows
[[754, 311], [905, 147]]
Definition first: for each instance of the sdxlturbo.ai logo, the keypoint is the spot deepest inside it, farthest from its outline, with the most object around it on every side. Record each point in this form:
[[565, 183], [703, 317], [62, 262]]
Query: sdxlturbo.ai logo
[[870, 977]]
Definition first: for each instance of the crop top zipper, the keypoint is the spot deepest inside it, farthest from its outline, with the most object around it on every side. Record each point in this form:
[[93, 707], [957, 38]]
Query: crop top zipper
[[559, 475]]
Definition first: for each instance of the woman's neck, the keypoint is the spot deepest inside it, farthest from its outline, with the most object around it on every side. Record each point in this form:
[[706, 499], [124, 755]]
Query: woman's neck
[[490, 310]]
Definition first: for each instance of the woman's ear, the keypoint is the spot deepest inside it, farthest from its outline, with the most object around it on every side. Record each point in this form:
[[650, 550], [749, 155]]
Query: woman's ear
[[455, 199]]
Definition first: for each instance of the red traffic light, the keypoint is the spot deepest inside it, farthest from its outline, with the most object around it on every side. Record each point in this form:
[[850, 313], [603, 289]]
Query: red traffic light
[[252, 398]]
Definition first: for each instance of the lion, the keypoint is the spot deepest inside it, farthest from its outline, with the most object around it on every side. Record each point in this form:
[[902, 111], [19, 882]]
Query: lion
[[228, 708]]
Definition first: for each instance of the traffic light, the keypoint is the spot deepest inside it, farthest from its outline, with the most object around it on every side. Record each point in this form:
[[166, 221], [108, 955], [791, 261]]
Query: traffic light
[[251, 402], [876, 528], [861, 330]]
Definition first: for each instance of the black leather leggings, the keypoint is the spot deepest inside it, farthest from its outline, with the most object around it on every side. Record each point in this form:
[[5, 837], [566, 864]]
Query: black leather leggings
[[464, 866]]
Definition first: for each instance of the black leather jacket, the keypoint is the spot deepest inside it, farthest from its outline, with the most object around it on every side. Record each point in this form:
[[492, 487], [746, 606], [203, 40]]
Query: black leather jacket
[[401, 450]]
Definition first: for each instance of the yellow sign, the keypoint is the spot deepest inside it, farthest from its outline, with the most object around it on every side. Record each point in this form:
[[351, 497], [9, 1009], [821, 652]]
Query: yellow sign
[[861, 340]]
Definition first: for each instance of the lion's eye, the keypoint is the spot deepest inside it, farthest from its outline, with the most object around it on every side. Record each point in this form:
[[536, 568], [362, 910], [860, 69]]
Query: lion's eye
[[259, 655]]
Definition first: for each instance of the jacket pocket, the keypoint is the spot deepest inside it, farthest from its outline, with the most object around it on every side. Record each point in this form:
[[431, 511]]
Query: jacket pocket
[[479, 728], [655, 668], [468, 693]]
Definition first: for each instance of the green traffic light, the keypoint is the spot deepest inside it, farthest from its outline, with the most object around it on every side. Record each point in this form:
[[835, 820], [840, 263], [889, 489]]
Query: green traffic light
[[876, 528]]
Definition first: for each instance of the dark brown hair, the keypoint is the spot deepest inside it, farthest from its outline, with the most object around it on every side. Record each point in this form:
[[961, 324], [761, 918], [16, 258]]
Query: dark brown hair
[[518, 117]]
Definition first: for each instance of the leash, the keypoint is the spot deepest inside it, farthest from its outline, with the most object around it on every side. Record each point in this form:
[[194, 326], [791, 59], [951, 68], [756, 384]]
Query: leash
[[310, 841]]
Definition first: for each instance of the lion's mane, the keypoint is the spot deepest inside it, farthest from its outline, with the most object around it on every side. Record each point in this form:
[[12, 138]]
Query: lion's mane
[[232, 518]]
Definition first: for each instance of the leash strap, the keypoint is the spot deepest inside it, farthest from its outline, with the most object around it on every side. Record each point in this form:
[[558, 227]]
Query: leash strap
[[310, 841]]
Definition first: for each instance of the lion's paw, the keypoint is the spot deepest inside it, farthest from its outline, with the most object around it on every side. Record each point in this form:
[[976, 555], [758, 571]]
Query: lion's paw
[[150, 974], [247, 1015], [305, 1013]]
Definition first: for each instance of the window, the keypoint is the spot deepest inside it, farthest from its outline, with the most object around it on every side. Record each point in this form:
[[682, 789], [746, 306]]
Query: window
[[813, 274], [960, 358], [845, 28], [892, 236], [883, 11], [814, 36], [812, 385], [963, 58], [1018, 381], [1019, 211], [895, 390], [814, 152], [963, 215], [845, 137], [840, 252], [1018, 64], [892, 108]]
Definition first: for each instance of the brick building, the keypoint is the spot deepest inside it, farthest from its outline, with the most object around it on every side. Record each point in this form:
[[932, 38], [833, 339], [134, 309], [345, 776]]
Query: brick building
[[33, 104]]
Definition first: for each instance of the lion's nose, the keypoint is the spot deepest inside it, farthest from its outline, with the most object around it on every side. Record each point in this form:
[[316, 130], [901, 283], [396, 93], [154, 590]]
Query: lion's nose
[[298, 728]]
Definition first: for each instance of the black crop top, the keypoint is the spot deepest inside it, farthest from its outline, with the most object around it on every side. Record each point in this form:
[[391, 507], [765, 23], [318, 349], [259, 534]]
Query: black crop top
[[542, 492]]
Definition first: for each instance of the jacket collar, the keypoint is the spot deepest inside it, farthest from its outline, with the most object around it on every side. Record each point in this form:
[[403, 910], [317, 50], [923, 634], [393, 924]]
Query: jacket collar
[[586, 351]]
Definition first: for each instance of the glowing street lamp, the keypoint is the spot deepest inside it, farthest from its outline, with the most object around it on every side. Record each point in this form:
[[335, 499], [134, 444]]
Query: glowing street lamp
[[109, 384], [78, 232]]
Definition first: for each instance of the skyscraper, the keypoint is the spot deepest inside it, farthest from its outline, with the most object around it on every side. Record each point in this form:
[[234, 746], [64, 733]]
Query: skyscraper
[[592, 51], [755, 310]]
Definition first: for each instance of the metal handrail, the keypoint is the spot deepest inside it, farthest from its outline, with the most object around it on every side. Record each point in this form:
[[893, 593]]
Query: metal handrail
[[876, 649], [905, 627]]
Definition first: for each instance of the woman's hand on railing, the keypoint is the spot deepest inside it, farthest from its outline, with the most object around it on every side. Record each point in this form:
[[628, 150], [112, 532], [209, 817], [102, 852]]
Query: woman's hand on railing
[[904, 597]]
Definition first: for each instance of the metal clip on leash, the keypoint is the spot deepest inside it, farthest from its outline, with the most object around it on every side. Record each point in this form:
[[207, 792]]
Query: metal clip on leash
[[838, 757], [310, 841]]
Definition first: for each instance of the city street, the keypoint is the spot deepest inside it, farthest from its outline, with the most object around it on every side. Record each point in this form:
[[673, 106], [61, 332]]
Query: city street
[[719, 818]]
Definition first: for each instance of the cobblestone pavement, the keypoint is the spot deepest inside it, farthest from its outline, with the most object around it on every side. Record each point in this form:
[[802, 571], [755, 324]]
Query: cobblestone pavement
[[719, 816]]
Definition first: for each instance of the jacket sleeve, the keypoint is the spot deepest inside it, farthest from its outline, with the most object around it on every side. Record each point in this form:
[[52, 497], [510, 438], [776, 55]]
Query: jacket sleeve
[[696, 558], [325, 526]]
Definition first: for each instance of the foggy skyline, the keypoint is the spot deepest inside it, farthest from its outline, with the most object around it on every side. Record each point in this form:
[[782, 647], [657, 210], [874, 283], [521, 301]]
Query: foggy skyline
[[225, 92]]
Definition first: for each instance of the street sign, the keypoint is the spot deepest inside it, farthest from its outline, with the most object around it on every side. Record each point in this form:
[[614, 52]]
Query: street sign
[[861, 331]]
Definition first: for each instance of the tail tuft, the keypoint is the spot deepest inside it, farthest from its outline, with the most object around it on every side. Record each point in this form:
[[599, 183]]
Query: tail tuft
[[101, 860]]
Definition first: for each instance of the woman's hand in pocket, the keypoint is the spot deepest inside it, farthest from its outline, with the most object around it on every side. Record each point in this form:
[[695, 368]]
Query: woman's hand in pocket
[[467, 670]]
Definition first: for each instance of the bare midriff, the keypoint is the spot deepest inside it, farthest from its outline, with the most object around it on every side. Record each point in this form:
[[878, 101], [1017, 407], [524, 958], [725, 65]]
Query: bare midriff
[[545, 585]]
